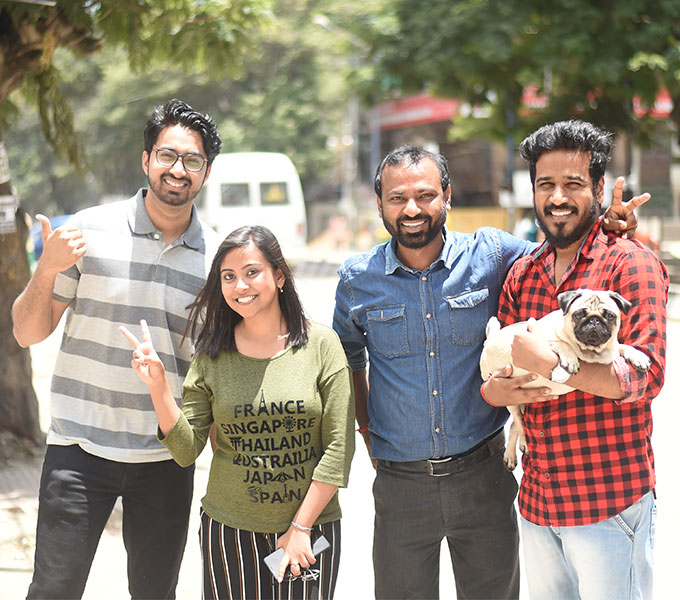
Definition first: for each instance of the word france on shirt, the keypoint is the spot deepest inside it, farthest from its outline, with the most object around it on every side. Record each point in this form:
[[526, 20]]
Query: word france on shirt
[[272, 445]]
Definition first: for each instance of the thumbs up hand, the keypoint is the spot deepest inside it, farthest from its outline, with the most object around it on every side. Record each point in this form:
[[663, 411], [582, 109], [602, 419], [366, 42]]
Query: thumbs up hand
[[62, 247]]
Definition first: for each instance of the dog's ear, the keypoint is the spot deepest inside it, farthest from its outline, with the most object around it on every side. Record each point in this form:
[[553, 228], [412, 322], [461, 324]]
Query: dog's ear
[[565, 299], [623, 304]]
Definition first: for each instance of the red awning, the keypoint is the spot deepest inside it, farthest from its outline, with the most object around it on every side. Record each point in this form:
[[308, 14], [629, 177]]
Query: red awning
[[423, 108]]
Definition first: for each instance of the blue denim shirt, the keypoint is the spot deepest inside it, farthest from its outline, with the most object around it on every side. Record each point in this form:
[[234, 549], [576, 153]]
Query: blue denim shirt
[[424, 331]]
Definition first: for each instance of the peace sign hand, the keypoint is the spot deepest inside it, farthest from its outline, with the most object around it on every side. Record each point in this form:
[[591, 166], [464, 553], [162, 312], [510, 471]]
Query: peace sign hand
[[620, 216], [145, 361]]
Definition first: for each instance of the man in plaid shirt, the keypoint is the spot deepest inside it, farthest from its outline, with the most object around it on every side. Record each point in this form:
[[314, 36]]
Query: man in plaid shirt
[[587, 492]]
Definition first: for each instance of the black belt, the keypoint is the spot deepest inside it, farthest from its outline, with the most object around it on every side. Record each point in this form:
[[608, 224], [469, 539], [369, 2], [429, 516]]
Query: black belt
[[440, 467]]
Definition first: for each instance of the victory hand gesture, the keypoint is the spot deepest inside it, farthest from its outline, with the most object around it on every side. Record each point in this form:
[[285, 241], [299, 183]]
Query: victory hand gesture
[[620, 215], [151, 371], [145, 361]]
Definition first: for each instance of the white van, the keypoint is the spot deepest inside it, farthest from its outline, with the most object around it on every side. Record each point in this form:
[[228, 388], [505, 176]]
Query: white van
[[255, 188]]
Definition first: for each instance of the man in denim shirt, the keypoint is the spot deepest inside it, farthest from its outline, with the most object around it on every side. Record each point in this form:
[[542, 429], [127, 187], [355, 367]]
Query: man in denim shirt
[[419, 305]]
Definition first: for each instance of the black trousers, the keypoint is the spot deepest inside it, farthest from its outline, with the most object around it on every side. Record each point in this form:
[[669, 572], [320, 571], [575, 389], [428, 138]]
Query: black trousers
[[472, 506], [234, 567], [77, 494]]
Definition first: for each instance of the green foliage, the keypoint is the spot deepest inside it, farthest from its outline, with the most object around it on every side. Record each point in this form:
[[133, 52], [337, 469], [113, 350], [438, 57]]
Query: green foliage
[[211, 35], [589, 58], [56, 119], [279, 104], [289, 96], [198, 37]]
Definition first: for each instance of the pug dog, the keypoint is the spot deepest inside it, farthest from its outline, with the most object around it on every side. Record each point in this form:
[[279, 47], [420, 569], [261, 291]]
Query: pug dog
[[585, 328]]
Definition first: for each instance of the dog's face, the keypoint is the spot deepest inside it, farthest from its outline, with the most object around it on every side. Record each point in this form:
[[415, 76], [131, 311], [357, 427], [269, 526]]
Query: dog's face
[[593, 318]]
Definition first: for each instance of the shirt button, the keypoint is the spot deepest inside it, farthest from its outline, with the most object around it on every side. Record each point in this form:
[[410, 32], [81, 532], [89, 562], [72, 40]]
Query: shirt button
[[542, 434], [547, 475], [431, 353], [428, 315], [424, 277], [156, 236], [436, 429], [434, 392]]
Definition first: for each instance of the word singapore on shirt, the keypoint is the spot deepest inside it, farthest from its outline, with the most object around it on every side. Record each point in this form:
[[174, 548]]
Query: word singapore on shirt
[[274, 446]]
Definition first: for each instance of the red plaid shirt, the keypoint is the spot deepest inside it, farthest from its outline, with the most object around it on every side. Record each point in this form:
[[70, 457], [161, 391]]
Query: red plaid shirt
[[589, 457]]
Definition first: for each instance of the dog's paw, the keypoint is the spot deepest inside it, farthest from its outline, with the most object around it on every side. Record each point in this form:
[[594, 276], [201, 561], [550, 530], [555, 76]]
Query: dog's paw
[[637, 358], [568, 358], [571, 365], [510, 461]]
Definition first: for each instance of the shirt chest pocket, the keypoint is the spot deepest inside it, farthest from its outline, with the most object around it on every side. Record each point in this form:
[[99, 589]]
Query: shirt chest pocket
[[387, 330], [469, 315]]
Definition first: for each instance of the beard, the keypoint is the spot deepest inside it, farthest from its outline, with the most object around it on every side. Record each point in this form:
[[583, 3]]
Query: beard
[[179, 198], [419, 239], [559, 238]]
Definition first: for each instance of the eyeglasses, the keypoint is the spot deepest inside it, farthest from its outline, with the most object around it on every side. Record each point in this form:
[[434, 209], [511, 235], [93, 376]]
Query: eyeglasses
[[166, 157], [305, 575]]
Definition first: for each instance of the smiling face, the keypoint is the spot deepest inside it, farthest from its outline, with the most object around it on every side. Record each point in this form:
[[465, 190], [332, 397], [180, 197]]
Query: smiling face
[[413, 204], [565, 204], [175, 186], [250, 285]]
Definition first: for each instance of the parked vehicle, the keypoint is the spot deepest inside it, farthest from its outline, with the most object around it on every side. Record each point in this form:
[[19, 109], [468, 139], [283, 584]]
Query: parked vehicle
[[255, 188]]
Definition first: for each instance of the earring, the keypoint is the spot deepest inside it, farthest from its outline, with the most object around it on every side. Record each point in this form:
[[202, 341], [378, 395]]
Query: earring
[[281, 290]]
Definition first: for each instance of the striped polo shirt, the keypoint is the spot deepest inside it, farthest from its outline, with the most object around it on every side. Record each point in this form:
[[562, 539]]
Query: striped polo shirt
[[127, 274]]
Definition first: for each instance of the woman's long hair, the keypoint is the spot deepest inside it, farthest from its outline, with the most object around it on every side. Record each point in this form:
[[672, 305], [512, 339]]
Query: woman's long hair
[[215, 320]]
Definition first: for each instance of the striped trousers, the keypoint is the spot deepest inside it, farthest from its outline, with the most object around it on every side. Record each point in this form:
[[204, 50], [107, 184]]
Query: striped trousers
[[234, 568]]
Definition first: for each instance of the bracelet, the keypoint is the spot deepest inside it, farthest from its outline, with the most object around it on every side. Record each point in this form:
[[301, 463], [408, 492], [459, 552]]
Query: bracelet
[[481, 391], [300, 527], [363, 429]]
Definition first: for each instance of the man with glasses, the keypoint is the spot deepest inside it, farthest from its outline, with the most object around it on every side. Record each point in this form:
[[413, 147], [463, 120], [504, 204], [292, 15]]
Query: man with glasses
[[143, 258]]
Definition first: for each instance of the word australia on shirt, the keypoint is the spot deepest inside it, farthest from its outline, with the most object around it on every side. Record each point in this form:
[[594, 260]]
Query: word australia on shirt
[[273, 449]]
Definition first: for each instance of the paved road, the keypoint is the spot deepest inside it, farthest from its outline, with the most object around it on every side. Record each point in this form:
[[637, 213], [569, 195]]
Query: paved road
[[108, 579]]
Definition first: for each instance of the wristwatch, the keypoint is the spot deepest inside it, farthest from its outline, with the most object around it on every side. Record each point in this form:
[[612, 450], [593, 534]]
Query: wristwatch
[[559, 374]]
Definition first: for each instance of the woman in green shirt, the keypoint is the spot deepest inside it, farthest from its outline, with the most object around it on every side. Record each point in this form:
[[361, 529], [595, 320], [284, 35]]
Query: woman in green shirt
[[276, 389]]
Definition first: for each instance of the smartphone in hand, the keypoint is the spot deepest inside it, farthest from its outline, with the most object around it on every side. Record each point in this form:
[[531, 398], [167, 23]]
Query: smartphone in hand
[[273, 560]]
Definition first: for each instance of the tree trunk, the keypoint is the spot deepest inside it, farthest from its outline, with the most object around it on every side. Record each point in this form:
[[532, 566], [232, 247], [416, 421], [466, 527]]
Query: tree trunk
[[18, 402]]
